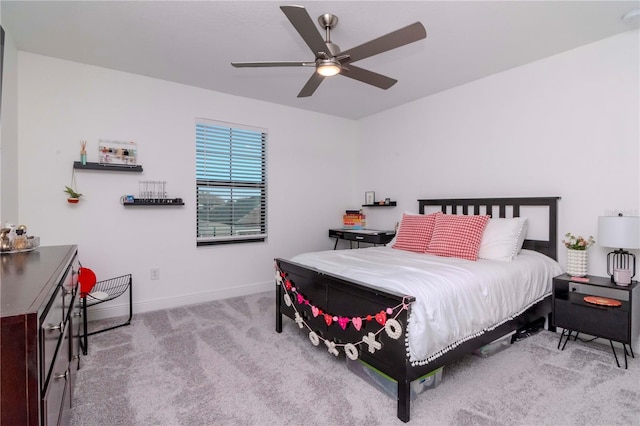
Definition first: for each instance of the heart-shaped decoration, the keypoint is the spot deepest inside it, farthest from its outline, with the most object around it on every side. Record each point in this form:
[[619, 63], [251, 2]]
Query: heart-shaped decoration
[[328, 319], [315, 311], [287, 284], [357, 322], [381, 317], [301, 300], [343, 321]]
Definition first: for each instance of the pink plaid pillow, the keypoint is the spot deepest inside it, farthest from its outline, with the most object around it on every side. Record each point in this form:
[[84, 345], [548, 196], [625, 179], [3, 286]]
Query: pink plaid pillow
[[457, 236], [415, 232]]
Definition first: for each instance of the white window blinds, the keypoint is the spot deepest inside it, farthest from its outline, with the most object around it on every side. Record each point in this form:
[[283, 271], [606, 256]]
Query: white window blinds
[[231, 183]]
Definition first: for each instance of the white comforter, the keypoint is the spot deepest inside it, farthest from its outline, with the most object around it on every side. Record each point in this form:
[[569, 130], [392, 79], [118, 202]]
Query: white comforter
[[456, 299]]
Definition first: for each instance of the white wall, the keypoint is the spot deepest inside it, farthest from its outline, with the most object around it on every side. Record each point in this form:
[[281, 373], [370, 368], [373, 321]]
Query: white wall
[[567, 125], [60, 103], [564, 126]]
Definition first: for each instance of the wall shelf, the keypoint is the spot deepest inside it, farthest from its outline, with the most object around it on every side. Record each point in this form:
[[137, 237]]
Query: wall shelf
[[391, 204], [106, 167], [157, 202]]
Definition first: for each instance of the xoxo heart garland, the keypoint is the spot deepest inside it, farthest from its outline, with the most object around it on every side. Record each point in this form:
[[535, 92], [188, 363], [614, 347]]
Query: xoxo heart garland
[[380, 317]]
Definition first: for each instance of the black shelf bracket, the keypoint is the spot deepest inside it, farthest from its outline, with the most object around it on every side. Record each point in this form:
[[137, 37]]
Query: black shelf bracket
[[391, 204]]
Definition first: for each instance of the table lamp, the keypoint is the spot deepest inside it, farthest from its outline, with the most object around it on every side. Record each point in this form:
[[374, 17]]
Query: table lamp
[[620, 232]]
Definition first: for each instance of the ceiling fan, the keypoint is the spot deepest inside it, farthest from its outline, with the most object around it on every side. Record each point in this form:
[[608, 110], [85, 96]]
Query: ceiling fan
[[330, 60]]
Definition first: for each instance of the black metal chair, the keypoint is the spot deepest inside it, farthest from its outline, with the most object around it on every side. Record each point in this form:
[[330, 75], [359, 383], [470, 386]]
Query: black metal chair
[[101, 292]]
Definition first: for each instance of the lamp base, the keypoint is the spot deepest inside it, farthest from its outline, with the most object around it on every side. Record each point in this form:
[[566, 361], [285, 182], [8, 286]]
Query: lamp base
[[621, 267]]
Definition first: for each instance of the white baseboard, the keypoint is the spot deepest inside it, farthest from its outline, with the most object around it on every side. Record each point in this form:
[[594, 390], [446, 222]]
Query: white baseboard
[[113, 310]]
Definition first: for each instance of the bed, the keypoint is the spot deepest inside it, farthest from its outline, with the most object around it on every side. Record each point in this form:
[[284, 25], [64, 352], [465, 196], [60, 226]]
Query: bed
[[350, 309]]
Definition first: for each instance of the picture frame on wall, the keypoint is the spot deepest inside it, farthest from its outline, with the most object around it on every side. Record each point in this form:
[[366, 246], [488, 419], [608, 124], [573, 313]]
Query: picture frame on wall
[[369, 197]]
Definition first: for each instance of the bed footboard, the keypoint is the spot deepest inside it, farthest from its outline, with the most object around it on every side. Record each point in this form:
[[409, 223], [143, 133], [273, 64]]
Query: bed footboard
[[348, 317], [367, 323]]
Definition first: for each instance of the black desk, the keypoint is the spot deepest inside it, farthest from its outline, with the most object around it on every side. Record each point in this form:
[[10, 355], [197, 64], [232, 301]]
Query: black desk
[[370, 236]]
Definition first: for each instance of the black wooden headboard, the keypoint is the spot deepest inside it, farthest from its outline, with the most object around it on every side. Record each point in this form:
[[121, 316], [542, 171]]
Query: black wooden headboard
[[488, 206]]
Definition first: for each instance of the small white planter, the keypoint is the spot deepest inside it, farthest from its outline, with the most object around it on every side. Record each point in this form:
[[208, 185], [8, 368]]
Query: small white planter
[[577, 261]]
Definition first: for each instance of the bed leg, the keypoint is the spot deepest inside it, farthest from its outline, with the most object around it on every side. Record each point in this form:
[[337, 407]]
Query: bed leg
[[550, 325], [278, 311], [404, 400]]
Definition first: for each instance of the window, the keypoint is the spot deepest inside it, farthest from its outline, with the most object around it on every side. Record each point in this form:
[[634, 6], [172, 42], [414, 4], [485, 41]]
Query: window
[[231, 183]]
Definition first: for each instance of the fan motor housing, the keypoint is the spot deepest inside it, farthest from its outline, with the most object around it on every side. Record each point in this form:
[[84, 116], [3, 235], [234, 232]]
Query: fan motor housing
[[334, 49]]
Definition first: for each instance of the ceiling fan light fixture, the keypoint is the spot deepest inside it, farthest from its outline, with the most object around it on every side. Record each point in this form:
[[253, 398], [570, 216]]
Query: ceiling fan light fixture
[[328, 67], [329, 58]]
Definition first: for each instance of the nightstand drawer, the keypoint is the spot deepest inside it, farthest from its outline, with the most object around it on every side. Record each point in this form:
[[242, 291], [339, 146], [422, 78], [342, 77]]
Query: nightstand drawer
[[592, 290], [607, 322]]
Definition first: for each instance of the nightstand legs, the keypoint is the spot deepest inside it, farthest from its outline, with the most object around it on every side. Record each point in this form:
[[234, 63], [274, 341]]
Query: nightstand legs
[[566, 335], [616, 356], [624, 347]]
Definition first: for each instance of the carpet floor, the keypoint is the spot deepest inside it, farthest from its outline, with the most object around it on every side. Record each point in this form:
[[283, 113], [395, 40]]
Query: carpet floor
[[222, 363]]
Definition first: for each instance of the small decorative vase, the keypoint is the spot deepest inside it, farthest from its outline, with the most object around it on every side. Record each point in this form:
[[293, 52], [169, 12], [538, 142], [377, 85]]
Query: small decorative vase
[[577, 263]]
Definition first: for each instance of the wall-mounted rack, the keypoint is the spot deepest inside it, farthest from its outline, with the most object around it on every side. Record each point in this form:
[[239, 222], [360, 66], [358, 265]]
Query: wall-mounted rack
[[158, 202], [107, 167]]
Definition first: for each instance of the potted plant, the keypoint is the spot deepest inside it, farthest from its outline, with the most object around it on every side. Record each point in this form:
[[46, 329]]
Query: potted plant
[[74, 196], [577, 254]]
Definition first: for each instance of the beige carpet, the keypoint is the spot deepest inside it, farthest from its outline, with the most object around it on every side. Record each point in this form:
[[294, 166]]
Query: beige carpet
[[222, 363]]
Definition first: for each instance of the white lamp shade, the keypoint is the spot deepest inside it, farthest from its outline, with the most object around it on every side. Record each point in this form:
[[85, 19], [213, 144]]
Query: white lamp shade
[[620, 232]]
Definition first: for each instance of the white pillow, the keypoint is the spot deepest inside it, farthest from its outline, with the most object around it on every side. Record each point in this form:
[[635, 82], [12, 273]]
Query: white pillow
[[522, 235], [503, 238]]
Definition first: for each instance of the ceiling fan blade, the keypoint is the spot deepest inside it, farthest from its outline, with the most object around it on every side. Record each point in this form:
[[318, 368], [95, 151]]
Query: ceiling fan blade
[[369, 77], [302, 22], [311, 86], [406, 35], [273, 64]]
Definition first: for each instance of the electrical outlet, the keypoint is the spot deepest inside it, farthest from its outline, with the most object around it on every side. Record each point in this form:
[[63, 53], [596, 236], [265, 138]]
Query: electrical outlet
[[155, 273]]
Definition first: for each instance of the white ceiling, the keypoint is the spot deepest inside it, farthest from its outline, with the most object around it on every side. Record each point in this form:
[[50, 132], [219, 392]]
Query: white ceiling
[[193, 42]]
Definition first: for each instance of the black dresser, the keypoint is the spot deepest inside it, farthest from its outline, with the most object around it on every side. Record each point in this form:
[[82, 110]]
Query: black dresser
[[39, 339]]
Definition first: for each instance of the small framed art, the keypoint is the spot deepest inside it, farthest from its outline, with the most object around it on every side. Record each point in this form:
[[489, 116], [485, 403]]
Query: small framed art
[[369, 197]]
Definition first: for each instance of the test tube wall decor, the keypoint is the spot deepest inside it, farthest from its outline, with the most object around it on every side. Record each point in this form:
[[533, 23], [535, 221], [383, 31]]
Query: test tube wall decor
[[152, 189]]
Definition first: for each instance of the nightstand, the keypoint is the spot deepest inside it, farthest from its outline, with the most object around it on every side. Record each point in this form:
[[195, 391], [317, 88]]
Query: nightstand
[[614, 323], [370, 236]]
